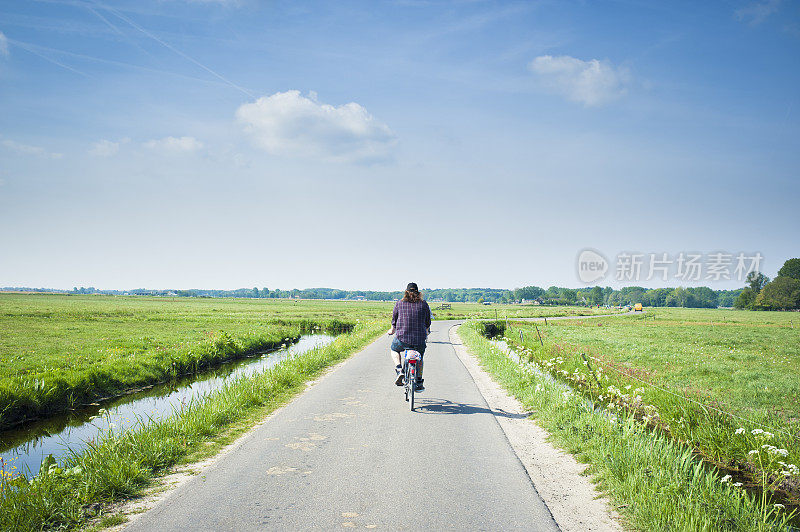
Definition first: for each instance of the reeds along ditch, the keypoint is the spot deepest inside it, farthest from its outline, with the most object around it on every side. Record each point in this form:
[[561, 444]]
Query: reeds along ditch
[[115, 466], [51, 390], [656, 482]]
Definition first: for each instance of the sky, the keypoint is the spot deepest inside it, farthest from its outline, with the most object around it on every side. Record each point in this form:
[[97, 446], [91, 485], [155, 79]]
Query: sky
[[362, 145]]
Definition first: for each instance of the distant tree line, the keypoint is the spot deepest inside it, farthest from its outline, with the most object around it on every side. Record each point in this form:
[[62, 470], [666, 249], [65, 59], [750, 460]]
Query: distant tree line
[[696, 297], [781, 293]]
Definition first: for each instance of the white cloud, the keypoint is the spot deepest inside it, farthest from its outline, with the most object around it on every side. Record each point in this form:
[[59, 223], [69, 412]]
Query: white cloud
[[106, 148], [287, 123], [757, 12], [591, 82], [174, 144], [27, 149], [3, 44]]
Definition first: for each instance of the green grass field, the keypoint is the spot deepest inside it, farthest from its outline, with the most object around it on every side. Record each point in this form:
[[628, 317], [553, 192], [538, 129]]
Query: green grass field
[[459, 311], [700, 362], [58, 351], [746, 362]]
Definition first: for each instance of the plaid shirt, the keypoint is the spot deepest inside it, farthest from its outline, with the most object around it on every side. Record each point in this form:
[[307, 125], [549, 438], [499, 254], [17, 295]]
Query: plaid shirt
[[411, 322]]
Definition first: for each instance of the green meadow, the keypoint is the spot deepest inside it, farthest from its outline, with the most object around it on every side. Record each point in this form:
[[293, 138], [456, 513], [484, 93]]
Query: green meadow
[[723, 382], [745, 362], [58, 351]]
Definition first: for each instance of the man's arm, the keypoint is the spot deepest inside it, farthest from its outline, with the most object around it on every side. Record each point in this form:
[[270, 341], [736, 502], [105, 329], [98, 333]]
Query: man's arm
[[394, 319], [428, 317]]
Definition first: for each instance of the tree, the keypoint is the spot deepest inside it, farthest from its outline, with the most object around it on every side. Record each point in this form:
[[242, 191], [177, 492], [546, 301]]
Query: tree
[[757, 281], [781, 294], [727, 298], [790, 268], [745, 299], [569, 295], [596, 295], [678, 298], [528, 292]]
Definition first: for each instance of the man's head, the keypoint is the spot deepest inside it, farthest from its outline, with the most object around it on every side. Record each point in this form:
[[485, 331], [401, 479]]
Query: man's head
[[412, 293]]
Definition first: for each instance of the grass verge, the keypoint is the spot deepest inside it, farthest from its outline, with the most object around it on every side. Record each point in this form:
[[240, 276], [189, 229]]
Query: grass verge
[[118, 466], [656, 482]]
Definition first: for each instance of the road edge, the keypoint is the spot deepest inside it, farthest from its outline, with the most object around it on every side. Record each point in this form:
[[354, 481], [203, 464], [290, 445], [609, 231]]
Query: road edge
[[558, 477]]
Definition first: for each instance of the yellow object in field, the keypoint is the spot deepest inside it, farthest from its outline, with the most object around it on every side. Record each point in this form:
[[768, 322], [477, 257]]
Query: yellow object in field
[[637, 307]]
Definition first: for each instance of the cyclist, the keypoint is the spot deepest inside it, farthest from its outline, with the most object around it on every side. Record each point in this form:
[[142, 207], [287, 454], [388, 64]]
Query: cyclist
[[411, 319]]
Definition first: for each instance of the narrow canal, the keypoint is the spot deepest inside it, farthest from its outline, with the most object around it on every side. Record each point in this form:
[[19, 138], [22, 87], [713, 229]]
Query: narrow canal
[[26, 446]]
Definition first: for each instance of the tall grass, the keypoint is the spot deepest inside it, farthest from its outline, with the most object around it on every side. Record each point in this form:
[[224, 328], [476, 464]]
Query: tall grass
[[120, 465], [656, 482]]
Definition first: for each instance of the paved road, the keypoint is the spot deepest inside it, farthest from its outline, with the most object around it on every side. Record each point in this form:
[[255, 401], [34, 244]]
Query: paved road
[[349, 453]]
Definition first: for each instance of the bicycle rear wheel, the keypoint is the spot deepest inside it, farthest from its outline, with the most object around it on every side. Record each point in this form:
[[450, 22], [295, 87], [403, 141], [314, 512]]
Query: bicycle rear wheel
[[412, 383], [405, 379]]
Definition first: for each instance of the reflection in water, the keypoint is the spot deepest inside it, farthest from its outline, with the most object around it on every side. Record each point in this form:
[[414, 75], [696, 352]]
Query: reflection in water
[[25, 447]]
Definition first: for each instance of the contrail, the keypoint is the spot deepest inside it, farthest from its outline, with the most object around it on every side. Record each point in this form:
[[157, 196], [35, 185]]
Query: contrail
[[33, 47], [119, 32], [29, 49], [167, 45]]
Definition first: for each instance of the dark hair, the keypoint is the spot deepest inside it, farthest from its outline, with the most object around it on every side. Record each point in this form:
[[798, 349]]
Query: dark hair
[[412, 296]]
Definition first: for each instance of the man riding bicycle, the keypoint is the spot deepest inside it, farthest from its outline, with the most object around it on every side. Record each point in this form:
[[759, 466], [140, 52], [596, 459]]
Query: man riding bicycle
[[411, 320]]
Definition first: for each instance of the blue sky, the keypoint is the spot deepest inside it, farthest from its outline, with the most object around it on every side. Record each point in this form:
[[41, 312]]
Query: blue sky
[[221, 144]]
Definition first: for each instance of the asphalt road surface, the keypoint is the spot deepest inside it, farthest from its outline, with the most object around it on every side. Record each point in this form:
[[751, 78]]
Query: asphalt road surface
[[348, 453]]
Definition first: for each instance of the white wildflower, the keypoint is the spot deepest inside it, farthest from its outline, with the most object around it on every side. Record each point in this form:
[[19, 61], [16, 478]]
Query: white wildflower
[[740, 431], [726, 478], [756, 432]]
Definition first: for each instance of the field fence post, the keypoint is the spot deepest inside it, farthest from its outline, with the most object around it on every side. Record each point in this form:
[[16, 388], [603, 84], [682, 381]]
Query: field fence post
[[540, 334]]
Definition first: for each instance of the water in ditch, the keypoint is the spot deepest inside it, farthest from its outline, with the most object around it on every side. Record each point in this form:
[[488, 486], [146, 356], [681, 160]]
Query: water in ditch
[[26, 446]]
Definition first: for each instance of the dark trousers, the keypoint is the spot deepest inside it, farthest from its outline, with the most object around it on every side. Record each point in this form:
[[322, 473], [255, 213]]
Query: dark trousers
[[399, 346]]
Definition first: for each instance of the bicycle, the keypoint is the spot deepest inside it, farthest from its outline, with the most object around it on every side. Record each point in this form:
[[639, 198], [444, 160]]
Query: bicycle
[[410, 360]]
